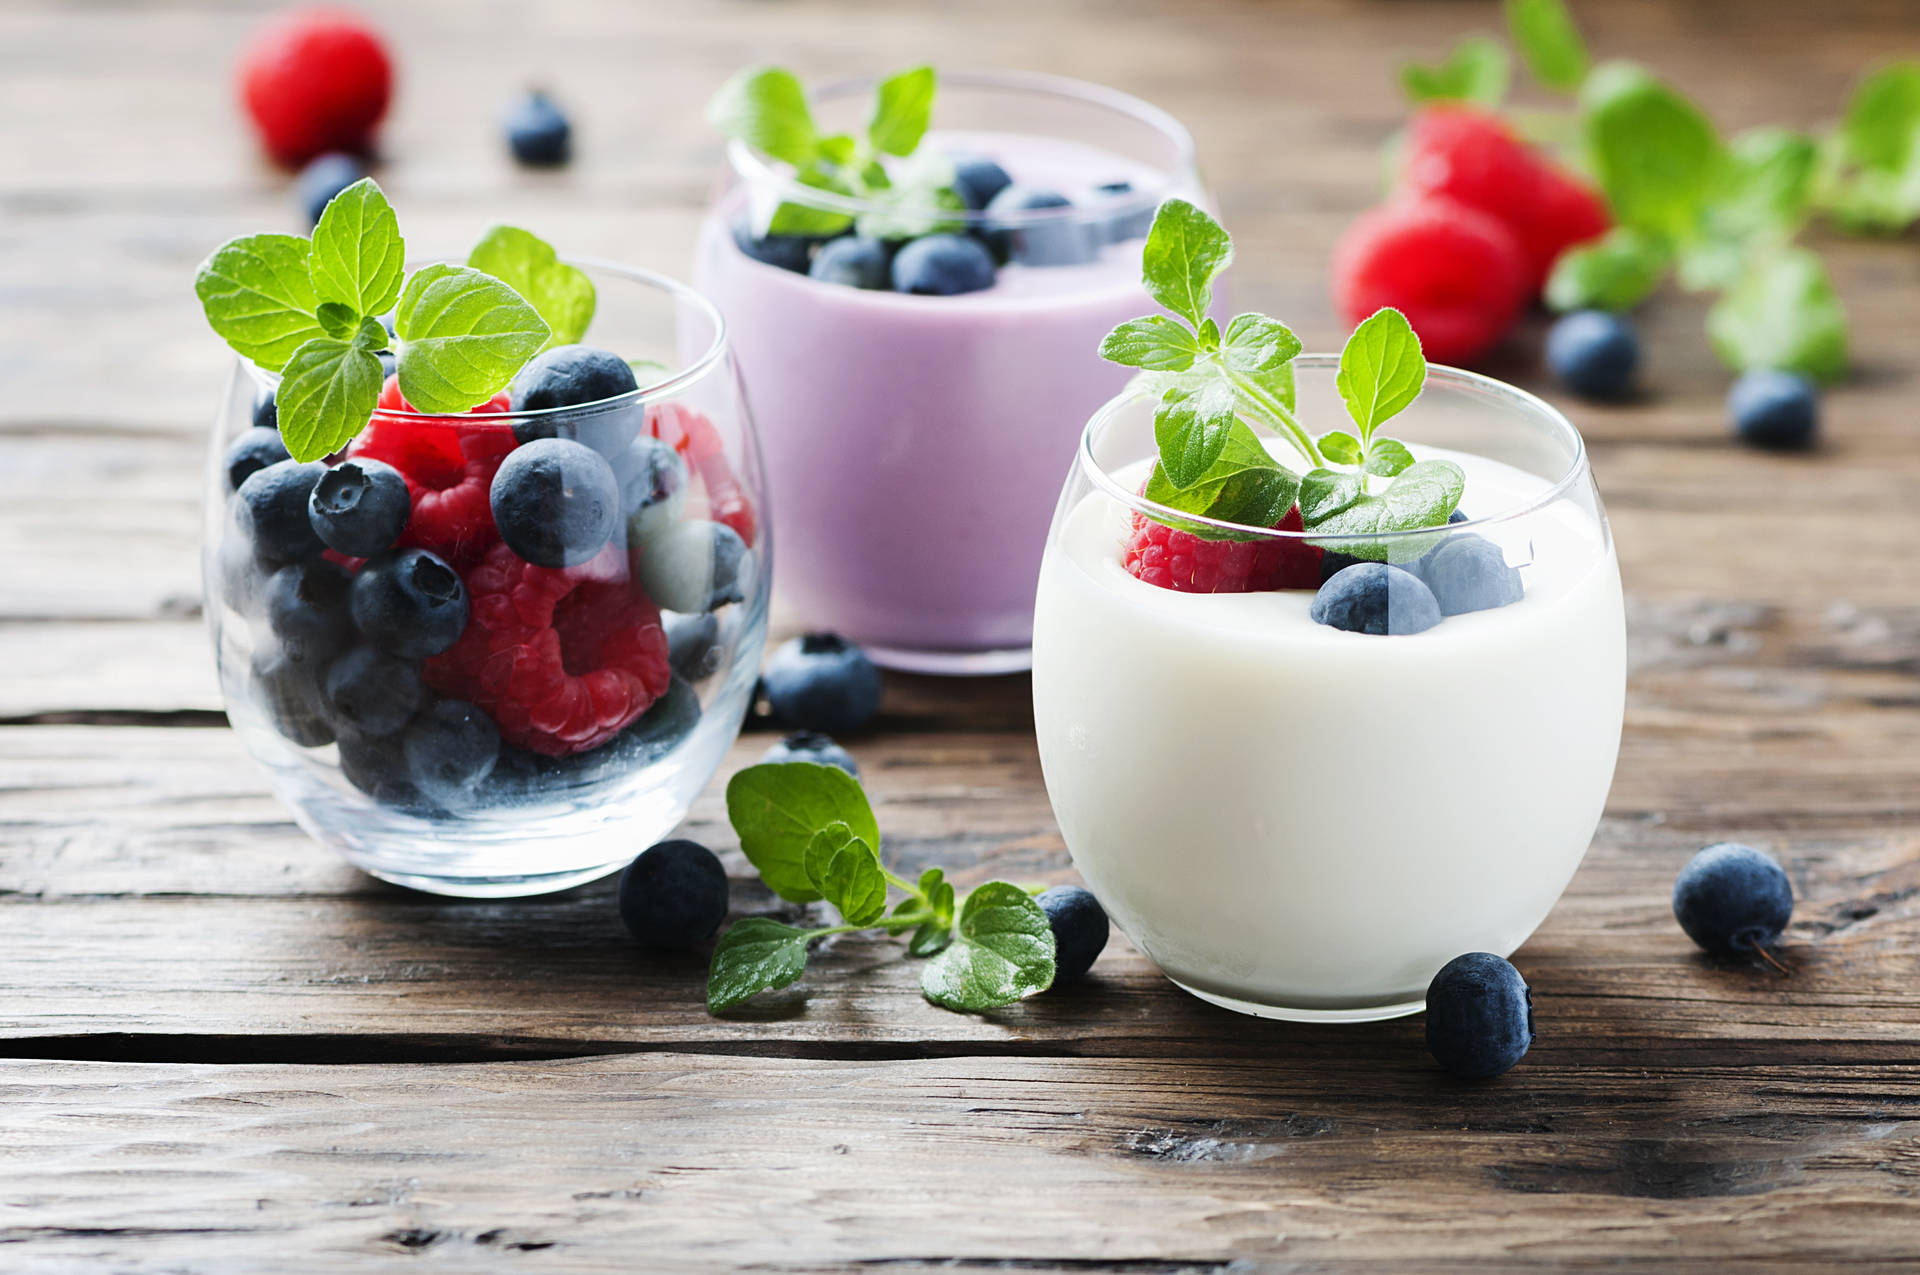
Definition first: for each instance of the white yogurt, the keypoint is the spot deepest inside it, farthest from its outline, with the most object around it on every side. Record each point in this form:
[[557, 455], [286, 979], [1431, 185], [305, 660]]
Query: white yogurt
[[1303, 822]]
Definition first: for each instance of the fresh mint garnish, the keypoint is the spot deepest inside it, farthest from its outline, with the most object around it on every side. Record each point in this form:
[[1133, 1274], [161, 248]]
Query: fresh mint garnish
[[767, 108], [1782, 313], [312, 310], [1549, 43], [1215, 389], [561, 294], [809, 831], [1874, 156], [1477, 71]]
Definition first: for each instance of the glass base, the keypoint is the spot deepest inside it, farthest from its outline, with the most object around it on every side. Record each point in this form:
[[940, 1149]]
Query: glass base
[[500, 887], [952, 663], [1353, 1014]]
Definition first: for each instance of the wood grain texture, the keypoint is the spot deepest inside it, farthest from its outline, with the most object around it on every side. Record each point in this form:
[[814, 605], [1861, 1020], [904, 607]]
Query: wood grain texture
[[225, 1050]]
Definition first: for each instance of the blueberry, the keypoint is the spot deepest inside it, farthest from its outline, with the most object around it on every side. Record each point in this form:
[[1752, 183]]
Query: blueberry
[[1594, 353], [673, 895], [377, 766], [1079, 927], [693, 645], [977, 180], [275, 503], [659, 730], [811, 745], [307, 609], [538, 132], [575, 376], [822, 682], [1372, 597], [1773, 409], [252, 452], [942, 266], [1469, 573], [370, 692], [359, 507], [1732, 898], [266, 413], [290, 693], [653, 486], [410, 603], [555, 502], [450, 750], [786, 252], [1479, 1016], [854, 260], [1131, 224], [1062, 241], [1458, 515], [695, 566], [324, 177]]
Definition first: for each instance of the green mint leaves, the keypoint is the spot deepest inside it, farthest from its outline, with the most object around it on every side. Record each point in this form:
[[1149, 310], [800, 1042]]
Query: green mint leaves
[[1549, 43], [312, 310], [1477, 71], [1874, 156], [1216, 388], [810, 833], [766, 107]]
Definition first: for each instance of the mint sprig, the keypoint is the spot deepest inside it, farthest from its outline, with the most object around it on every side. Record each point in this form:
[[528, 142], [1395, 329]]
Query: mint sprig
[[1216, 389], [312, 310], [1872, 161], [767, 108], [810, 833]]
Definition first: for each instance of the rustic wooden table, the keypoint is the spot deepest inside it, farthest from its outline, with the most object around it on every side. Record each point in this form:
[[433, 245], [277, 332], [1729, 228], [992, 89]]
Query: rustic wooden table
[[225, 1050]]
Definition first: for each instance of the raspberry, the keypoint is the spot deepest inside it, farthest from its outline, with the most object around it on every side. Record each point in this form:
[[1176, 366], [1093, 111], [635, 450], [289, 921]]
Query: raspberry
[[314, 81], [449, 471], [1570, 214], [1179, 560], [700, 445], [562, 658], [1458, 275]]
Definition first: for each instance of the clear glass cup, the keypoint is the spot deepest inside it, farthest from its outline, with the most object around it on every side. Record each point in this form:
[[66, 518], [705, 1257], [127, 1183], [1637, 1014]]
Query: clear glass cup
[[611, 711], [913, 442], [1301, 822]]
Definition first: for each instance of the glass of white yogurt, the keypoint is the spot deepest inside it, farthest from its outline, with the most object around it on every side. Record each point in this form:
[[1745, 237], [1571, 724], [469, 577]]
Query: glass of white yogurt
[[1301, 822]]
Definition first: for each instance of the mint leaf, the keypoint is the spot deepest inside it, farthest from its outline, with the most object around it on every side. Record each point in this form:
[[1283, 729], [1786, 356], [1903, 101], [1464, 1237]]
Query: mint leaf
[[1615, 272], [1548, 41], [1190, 427], [767, 109], [805, 219], [1259, 347], [1185, 249], [1769, 184], [1004, 952], [327, 393], [464, 334], [1782, 313], [934, 935], [258, 295], [1326, 492], [1244, 485], [372, 335], [562, 295], [1156, 343], [1422, 496], [1477, 70], [337, 320], [903, 212], [1381, 370], [1341, 448], [1877, 149], [358, 254], [1656, 156], [846, 872], [1388, 457], [756, 955], [902, 106], [776, 809]]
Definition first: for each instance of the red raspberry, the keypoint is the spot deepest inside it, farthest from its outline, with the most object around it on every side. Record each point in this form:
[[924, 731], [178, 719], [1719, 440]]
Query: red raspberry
[[316, 80], [1458, 275], [700, 445], [1570, 214], [563, 658], [1182, 561], [449, 472]]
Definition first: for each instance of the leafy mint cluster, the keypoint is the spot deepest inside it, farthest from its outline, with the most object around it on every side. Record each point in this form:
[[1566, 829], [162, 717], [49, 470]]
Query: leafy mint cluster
[[810, 833], [317, 311], [1721, 215], [1216, 388], [767, 108]]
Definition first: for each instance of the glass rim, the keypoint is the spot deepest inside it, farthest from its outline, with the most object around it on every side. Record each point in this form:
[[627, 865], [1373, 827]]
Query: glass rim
[[757, 167], [694, 371], [1578, 466]]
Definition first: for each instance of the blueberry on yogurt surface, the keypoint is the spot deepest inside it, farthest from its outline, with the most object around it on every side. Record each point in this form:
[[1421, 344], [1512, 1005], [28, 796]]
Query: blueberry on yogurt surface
[[943, 266], [1375, 598]]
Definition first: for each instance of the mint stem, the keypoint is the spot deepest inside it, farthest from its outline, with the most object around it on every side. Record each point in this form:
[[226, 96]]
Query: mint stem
[[1275, 415], [903, 884]]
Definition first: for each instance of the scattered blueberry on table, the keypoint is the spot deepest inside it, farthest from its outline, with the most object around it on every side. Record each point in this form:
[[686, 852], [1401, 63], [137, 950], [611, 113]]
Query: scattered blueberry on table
[[674, 895], [1080, 930], [1775, 410], [1479, 1016], [538, 132], [1733, 900], [811, 745], [1594, 354], [824, 683], [324, 177]]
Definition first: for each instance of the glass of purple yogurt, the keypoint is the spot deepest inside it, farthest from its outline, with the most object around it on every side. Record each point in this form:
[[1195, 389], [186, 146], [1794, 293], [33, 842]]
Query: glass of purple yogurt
[[918, 363]]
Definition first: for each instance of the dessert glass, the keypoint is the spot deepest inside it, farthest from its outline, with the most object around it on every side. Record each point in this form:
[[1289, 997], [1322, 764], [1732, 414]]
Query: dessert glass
[[1299, 822], [914, 442], [536, 822]]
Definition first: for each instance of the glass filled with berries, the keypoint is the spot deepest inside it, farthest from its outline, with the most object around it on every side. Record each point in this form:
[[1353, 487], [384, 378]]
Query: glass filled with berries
[[487, 583]]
